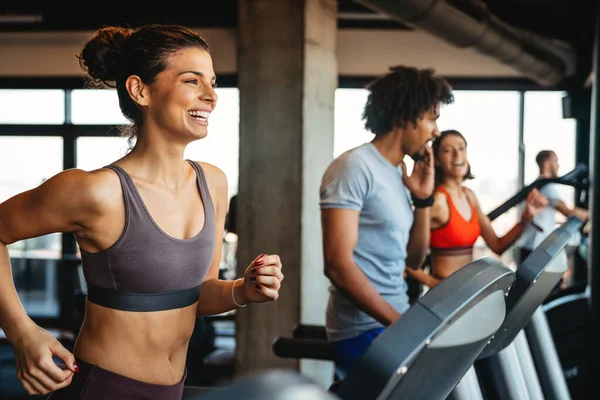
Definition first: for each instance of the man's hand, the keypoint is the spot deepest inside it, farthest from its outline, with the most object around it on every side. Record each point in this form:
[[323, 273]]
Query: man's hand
[[421, 181]]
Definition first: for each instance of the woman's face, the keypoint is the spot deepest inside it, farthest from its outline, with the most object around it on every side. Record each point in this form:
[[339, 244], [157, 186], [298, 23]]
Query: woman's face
[[452, 157], [183, 95]]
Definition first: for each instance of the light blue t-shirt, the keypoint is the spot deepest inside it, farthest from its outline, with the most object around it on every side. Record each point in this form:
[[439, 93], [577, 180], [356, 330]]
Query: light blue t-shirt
[[545, 219], [362, 179]]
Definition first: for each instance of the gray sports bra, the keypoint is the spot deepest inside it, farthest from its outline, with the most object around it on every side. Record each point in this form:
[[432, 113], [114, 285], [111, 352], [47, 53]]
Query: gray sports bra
[[146, 269]]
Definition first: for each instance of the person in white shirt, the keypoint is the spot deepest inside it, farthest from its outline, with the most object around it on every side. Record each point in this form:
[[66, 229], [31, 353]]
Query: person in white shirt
[[547, 162]]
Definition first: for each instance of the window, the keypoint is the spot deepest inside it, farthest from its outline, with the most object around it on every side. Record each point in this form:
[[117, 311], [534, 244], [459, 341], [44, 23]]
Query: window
[[96, 106], [349, 128], [96, 152], [545, 129], [24, 106], [26, 162]]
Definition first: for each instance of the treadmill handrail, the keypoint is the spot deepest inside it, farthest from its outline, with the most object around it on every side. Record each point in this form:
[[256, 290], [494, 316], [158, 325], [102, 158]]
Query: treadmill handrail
[[523, 299], [576, 178], [316, 349]]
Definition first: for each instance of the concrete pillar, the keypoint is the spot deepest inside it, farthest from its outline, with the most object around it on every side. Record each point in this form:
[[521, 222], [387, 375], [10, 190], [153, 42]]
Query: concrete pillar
[[287, 76]]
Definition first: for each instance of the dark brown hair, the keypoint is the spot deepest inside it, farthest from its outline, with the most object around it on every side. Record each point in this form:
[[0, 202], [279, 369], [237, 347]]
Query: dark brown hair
[[114, 53], [402, 97], [542, 157]]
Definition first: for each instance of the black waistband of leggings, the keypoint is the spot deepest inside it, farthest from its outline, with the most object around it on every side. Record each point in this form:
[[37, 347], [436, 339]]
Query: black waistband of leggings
[[142, 302]]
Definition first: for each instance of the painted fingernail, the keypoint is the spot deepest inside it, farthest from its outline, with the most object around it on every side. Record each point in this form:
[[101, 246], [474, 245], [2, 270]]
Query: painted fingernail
[[252, 278], [75, 367], [253, 270], [257, 287], [259, 263]]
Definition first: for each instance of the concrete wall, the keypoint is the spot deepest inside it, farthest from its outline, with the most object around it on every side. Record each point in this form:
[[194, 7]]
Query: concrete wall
[[359, 53]]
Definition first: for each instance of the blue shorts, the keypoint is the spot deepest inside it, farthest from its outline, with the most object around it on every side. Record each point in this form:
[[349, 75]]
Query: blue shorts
[[348, 351]]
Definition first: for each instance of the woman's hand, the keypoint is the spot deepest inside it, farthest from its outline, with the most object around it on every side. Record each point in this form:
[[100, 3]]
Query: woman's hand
[[534, 203], [36, 370], [262, 279]]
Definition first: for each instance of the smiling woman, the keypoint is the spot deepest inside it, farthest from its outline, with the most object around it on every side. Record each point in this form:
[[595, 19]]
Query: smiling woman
[[149, 226], [457, 219]]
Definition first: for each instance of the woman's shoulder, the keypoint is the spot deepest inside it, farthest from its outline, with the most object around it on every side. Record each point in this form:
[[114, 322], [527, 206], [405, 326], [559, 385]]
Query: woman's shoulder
[[216, 179], [94, 182], [100, 186], [440, 198], [213, 173], [469, 193], [81, 191]]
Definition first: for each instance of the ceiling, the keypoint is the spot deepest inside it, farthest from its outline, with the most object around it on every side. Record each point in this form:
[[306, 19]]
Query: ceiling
[[16, 15], [552, 18]]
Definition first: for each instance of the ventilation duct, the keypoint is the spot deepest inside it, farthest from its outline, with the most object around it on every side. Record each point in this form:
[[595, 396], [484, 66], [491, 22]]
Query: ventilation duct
[[543, 60]]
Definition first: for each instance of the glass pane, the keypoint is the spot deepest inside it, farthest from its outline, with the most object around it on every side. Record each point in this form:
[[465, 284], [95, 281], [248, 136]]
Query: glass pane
[[222, 145], [349, 128], [96, 152], [26, 162], [16, 106], [545, 129], [96, 106], [489, 120]]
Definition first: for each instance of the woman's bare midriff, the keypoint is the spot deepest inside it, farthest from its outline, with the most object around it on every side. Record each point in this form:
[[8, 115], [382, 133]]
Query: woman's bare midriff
[[444, 266], [145, 346]]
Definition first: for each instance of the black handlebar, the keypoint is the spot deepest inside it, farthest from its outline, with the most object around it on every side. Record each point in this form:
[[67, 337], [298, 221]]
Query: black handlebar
[[307, 331], [576, 178], [316, 349]]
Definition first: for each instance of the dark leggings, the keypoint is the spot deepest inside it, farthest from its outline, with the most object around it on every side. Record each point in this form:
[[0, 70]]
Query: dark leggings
[[95, 383]]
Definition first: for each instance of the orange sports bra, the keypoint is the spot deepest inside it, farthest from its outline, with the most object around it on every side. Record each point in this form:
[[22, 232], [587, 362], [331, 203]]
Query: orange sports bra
[[457, 235]]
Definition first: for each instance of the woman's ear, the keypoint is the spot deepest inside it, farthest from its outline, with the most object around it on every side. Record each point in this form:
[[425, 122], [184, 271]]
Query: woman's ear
[[137, 90]]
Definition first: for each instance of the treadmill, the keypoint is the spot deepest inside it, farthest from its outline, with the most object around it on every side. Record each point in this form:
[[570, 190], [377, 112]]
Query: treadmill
[[434, 343], [507, 366]]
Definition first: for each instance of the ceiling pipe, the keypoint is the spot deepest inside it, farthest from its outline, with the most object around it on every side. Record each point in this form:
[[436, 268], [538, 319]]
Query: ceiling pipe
[[529, 54]]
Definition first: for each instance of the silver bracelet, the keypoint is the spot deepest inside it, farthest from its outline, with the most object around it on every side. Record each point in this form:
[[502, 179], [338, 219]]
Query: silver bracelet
[[232, 294]]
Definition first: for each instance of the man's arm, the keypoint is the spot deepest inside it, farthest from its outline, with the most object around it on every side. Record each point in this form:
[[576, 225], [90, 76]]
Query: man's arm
[[419, 238], [567, 211], [340, 236]]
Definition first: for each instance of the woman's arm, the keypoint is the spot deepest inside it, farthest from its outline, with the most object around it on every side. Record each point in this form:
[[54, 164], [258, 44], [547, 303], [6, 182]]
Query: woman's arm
[[421, 276], [66, 202], [439, 213], [534, 203]]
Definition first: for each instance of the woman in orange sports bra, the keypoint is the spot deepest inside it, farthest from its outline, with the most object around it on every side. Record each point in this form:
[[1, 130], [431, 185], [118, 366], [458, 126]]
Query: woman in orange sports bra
[[457, 220]]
